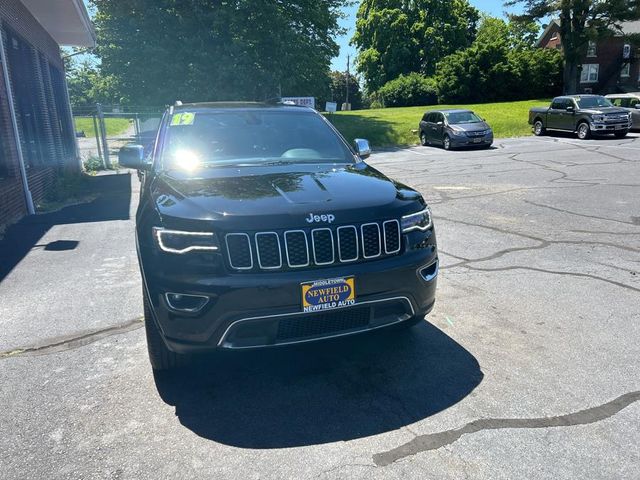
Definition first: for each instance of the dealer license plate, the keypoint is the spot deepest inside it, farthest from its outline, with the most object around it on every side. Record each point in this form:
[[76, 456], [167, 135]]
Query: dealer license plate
[[477, 140], [327, 294]]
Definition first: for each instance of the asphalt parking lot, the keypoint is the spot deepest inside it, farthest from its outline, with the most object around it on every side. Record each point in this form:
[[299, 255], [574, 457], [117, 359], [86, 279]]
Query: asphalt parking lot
[[528, 367]]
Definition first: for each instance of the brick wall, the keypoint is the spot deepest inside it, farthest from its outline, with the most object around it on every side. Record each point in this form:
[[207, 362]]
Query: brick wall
[[609, 58], [14, 13], [12, 201], [15, 16]]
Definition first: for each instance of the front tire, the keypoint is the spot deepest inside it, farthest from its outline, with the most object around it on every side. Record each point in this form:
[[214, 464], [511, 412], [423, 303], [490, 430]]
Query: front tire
[[583, 131], [446, 142], [423, 139], [161, 358], [621, 133], [538, 128]]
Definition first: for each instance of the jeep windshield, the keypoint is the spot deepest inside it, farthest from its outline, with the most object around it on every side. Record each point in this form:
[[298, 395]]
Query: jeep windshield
[[248, 138], [593, 102], [457, 118]]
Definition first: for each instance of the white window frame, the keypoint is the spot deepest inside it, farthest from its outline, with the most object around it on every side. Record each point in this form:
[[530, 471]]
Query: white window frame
[[626, 70], [592, 49], [590, 73]]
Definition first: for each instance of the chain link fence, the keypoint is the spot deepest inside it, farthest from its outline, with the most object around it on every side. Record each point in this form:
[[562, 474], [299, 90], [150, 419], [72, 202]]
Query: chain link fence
[[102, 130]]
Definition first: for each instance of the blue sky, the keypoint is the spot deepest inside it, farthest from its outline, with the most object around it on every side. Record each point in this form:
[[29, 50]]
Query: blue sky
[[492, 7]]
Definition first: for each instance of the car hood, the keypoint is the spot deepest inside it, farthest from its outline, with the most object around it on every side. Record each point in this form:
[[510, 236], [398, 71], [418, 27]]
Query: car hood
[[250, 197], [470, 127], [604, 110]]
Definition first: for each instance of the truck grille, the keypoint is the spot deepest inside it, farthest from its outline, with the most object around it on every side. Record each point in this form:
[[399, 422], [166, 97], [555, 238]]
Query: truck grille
[[293, 249], [616, 117]]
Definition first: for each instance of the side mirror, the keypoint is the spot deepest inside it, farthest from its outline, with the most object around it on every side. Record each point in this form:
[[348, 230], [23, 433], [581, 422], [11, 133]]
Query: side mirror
[[570, 109], [637, 105], [132, 156], [363, 149]]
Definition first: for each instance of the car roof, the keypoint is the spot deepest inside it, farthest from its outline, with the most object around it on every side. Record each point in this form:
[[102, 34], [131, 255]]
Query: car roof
[[449, 110], [624, 95], [586, 95], [226, 106]]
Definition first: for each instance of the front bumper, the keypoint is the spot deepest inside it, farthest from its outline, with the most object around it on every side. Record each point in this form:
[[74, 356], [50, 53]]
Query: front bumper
[[603, 127], [465, 141], [261, 309]]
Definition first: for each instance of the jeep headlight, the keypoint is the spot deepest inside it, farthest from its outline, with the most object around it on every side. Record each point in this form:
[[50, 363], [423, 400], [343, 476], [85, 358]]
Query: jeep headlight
[[177, 241], [417, 221], [598, 118]]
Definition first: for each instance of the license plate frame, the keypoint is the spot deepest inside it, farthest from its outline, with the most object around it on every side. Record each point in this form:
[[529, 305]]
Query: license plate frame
[[328, 294]]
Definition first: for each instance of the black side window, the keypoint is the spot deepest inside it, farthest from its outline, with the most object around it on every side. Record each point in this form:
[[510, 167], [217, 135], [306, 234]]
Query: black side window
[[558, 104], [424, 117]]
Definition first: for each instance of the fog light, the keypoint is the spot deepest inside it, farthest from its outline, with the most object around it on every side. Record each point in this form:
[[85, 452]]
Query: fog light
[[430, 272], [181, 302]]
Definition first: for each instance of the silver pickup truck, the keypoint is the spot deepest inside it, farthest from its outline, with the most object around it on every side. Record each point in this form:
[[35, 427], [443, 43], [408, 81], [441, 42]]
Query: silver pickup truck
[[582, 114]]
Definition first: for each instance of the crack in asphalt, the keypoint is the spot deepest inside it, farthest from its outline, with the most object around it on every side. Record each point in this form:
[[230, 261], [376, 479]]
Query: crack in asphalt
[[543, 243], [75, 341], [569, 212], [555, 272], [434, 441]]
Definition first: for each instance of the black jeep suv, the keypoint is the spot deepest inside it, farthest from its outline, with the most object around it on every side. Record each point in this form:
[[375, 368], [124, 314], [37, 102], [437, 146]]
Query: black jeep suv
[[259, 225]]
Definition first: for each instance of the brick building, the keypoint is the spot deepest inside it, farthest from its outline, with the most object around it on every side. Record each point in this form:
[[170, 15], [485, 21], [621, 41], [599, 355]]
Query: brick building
[[611, 64], [37, 138]]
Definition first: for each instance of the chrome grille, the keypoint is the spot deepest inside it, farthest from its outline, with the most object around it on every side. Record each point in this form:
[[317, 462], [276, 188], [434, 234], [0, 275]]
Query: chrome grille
[[292, 249], [371, 243], [617, 117], [297, 248], [348, 243], [322, 246], [239, 250], [391, 231], [477, 133], [268, 250]]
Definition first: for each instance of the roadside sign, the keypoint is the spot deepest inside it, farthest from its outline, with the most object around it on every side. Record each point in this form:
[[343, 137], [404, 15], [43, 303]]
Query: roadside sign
[[331, 107], [304, 101]]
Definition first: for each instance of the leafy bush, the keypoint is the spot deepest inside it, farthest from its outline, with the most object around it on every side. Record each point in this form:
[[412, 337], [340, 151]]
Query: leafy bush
[[93, 164], [500, 65], [66, 189], [408, 91]]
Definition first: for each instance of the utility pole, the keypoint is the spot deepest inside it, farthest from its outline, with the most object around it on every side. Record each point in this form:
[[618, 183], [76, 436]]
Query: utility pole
[[103, 134], [346, 101]]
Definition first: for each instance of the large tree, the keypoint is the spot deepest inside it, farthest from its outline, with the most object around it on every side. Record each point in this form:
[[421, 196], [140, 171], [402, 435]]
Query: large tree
[[580, 21], [162, 50], [397, 37], [501, 64]]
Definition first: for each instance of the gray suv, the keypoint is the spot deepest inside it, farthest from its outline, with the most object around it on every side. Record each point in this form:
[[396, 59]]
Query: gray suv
[[454, 128]]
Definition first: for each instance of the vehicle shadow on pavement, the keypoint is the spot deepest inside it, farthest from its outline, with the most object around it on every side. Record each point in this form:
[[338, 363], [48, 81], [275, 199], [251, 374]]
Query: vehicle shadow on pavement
[[112, 203], [571, 135], [323, 392]]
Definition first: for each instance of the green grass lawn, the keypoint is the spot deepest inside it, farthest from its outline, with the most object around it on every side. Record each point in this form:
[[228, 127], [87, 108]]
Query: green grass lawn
[[392, 126], [115, 126]]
